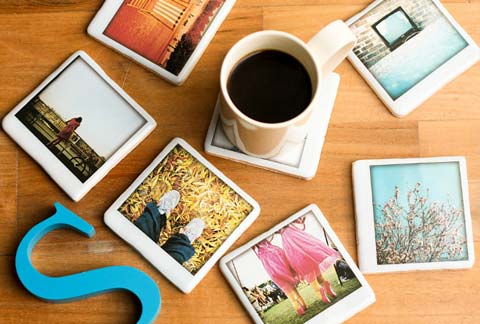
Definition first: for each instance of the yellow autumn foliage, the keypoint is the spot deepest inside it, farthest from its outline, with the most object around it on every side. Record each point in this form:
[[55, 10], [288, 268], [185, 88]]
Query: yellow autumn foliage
[[202, 195]]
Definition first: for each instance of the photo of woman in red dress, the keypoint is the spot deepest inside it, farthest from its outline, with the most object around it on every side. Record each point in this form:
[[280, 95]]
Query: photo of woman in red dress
[[299, 269], [66, 132]]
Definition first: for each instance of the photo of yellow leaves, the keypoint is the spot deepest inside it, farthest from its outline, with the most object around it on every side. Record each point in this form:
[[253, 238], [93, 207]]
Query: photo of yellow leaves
[[186, 209]]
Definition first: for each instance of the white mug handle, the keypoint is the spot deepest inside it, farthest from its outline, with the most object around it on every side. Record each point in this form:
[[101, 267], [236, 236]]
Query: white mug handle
[[331, 45]]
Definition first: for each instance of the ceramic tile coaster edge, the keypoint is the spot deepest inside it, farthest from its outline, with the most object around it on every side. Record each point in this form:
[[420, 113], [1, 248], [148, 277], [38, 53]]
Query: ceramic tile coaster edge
[[364, 295], [109, 9], [430, 84], [165, 264], [57, 170], [362, 190]]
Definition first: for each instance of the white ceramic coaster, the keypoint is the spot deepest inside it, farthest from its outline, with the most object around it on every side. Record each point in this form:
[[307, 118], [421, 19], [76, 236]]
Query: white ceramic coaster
[[412, 214], [296, 159], [282, 273], [406, 50], [78, 124], [167, 37], [182, 214]]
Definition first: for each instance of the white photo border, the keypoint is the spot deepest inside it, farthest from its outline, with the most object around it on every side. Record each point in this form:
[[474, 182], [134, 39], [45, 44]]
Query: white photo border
[[433, 82], [109, 9], [150, 250], [337, 313], [364, 216], [49, 162]]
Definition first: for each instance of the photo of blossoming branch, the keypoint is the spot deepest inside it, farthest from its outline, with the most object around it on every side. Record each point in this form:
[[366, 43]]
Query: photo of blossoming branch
[[418, 221], [421, 231]]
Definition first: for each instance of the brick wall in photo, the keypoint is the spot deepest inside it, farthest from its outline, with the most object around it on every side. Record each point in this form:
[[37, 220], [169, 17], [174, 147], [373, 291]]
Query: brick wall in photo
[[370, 48]]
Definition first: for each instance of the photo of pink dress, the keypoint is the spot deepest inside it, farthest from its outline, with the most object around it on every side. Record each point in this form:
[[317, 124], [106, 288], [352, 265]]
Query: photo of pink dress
[[68, 130], [307, 255], [276, 264]]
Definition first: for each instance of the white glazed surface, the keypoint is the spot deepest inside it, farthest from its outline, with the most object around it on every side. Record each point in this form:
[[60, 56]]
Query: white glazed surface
[[362, 188], [150, 250], [337, 313], [49, 162]]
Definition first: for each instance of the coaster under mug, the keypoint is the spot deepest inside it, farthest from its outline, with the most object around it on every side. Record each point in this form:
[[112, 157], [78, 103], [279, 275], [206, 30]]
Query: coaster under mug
[[296, 159]]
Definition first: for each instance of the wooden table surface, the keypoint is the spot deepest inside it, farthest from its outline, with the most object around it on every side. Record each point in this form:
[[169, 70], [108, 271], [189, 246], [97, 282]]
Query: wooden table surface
[[36, 36]]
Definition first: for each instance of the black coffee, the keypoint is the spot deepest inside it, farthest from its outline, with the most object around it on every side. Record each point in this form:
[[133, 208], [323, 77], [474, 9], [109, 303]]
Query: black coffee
[[270, 86]]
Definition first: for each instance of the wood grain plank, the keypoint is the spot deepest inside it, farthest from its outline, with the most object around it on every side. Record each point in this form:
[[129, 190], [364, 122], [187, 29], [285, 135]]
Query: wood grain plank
[[38, 35], [16, 6], [8, 195], [19, 306], [454, 137]]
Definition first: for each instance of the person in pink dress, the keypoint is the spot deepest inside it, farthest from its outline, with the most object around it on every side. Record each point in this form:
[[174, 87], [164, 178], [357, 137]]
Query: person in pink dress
[[276, 264], [66, 131], [308, 257]]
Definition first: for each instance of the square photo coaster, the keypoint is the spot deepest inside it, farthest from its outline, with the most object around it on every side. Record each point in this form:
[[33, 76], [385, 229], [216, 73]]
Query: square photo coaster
[[407, 50], [297, 272], [166, 36], [78, 124], [412, 214], [296, 159], [182, 214]]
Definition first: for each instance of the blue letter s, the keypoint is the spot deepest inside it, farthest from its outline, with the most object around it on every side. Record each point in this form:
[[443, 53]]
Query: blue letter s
[[84, 284]]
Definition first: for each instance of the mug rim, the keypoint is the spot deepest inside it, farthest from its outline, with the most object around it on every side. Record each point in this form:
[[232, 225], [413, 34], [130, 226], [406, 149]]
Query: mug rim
[[224, 79]]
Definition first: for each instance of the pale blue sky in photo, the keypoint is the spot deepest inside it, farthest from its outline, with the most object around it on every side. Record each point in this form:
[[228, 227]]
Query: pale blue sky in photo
[[108, 120], [442, 179]]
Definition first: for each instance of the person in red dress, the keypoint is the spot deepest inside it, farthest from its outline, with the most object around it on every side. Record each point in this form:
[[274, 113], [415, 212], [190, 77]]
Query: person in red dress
[[309, 257], [276, 264], [66, 132]]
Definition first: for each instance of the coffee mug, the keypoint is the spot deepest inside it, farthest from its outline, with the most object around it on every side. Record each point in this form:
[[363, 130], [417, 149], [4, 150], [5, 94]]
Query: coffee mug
[[320, 56]]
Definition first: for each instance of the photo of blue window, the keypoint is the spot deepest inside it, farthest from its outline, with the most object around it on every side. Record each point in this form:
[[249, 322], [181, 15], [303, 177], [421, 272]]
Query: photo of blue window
[[401, 42]]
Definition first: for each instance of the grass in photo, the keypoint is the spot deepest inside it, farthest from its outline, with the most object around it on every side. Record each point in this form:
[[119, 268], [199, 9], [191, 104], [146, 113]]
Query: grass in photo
[[81, 119], [418, 213], [165, 32], [186, 209], [401, 42], [295, 274]]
